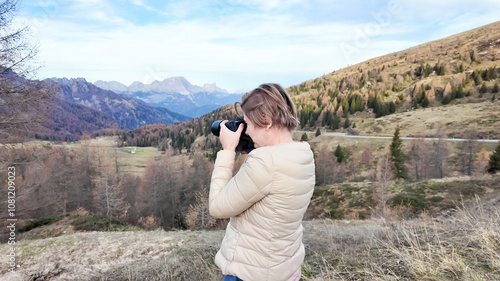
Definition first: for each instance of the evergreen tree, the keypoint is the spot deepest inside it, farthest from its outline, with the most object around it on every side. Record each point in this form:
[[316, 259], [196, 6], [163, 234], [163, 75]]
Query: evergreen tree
[[476, 76], [352, 109], [483, 89], [461, 68], [398, 156], [335, 123], [371, 101], [339, 153], [345, 105], [347, 123], [425, 102], [446, 100], [304, 137], [486, 75], [440, 70], [459, 92], [494, 163], [318, 132], [420, 95], [382, 110], [326, 118], [392, 107], [496, 88], [493, 73]]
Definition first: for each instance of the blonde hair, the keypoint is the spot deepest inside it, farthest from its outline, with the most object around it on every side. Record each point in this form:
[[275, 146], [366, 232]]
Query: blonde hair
[[270, 104]]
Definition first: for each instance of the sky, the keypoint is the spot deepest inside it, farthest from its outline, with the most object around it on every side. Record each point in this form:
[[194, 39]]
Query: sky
[[236, 44]]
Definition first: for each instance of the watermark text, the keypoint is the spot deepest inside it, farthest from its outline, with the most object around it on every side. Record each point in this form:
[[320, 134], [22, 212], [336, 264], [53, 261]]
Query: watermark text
[[11, 220]]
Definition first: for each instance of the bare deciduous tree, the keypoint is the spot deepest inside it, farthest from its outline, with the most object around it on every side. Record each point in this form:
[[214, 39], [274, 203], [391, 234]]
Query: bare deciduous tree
[[23, 103], [482, 162], [109, 192], [367, 156], [418, 157], [325, 165], [467, 152], [16, 51], [385, 175], [160, 192], [439, 154], [198, 215]]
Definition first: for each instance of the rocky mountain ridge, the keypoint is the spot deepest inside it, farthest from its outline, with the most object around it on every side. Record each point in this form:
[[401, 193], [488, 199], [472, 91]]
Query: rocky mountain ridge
[[176, 94], [128, 112]]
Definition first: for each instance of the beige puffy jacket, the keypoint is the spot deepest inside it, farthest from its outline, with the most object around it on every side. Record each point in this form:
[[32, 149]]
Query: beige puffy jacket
[[266, 201]]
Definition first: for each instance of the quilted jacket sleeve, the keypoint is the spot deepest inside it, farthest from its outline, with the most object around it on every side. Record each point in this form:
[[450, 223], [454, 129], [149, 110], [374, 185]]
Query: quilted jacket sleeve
[[231, 196]]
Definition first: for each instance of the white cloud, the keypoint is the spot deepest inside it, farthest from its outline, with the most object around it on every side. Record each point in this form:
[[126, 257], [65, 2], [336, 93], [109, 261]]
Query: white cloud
[[237, 51], [268, 5]]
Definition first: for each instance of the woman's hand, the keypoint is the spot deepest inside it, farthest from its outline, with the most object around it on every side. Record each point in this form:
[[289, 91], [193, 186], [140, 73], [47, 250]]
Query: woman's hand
[[229, 139]]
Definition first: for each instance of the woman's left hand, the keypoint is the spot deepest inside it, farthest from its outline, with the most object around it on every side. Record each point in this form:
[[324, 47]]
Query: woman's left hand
[[229, 139]]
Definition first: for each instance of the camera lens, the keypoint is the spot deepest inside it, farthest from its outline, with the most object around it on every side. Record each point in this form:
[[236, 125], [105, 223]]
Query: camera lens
[[216, 127]]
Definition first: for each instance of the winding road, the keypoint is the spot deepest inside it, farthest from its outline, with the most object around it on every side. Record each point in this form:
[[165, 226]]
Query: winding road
[[404, 138]]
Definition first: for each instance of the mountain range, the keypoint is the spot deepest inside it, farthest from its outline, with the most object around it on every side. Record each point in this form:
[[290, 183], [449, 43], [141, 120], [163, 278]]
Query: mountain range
[[128, 112], [449, 86], [71, 107], [176, 94]]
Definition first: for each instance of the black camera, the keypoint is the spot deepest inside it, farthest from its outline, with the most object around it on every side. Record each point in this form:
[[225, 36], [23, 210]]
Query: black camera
[[246, 142]]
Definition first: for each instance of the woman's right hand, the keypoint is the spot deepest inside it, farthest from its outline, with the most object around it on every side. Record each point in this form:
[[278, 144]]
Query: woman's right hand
[[229, 139]]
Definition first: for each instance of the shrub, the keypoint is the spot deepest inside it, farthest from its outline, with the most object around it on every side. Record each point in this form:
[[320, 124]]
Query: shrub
[[40, 221], [415, 202], [149, 222], [100, 223]]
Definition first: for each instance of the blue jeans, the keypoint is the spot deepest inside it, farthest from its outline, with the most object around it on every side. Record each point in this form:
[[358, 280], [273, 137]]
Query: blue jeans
[[231, 278]]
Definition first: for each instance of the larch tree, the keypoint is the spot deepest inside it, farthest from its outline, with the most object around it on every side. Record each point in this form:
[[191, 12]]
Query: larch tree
[[325, 165], [439, 154], [418, 157], [366, 156], [482, 162], [385, 174], [198, 215], [109, 195], [467, 152]]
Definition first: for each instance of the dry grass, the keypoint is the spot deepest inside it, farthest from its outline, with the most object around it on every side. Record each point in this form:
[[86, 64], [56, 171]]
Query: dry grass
[[456, 119], [462, 247], [129, 255]]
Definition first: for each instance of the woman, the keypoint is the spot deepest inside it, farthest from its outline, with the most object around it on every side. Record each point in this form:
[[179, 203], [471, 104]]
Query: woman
[[268, 197]]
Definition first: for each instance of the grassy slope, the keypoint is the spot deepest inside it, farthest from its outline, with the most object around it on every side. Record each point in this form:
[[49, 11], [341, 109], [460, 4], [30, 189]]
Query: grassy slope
[[470, 112], [463, 246], [456, 119]]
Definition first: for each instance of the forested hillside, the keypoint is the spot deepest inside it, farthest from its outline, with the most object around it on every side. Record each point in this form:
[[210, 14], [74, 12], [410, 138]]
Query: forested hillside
[[450, 73], [463, 68]]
